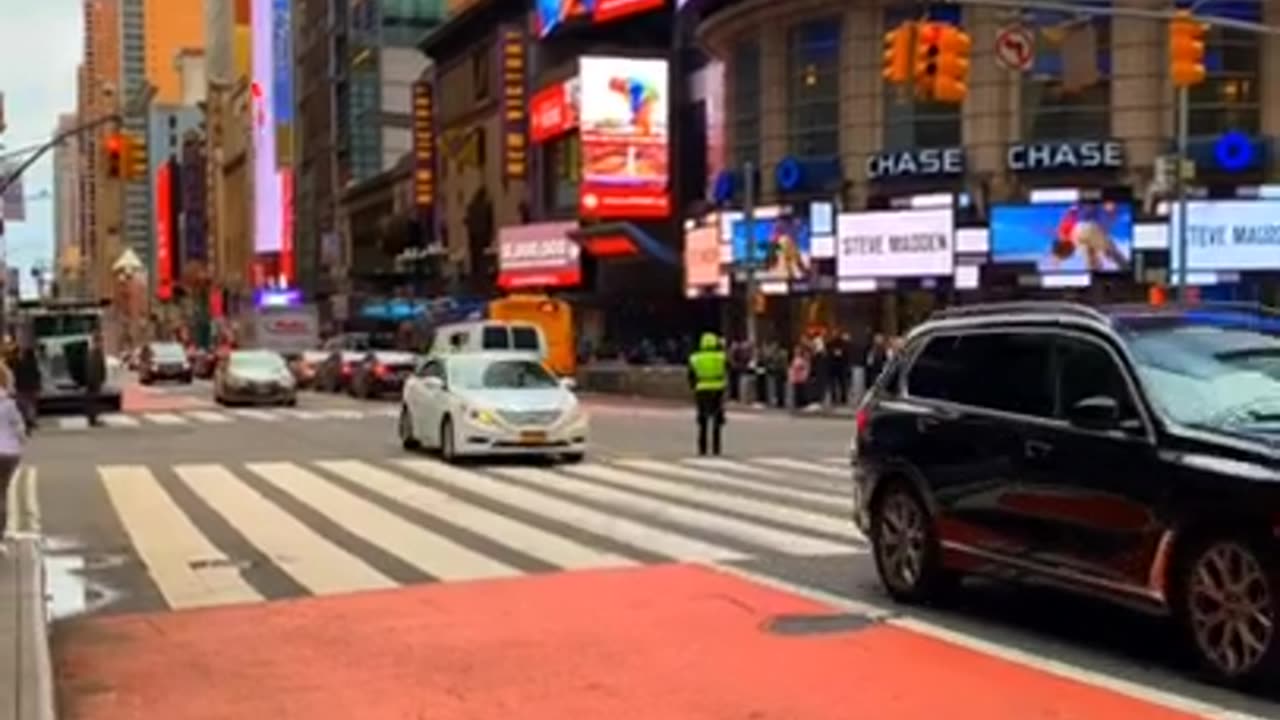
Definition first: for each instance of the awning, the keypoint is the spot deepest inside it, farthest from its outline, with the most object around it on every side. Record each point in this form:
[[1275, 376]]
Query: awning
[[620, 241]]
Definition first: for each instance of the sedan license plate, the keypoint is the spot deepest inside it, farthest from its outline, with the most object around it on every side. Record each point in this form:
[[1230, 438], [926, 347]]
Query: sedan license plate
[[533, 438]]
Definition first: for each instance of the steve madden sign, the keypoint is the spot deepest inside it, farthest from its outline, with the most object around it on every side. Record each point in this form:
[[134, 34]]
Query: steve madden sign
[[922, 162], [1066, 156]]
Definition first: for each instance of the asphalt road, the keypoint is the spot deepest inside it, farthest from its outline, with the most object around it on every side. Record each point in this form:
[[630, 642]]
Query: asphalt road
[[150, 516]]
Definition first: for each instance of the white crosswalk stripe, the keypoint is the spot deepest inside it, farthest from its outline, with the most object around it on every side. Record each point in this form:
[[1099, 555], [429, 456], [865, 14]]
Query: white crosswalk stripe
[[120, 420], [164, 418], [339, 525], [177, 418]]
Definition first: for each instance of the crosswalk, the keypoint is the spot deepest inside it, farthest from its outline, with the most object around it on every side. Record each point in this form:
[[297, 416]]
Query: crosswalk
[[220, 533], [219, 417]]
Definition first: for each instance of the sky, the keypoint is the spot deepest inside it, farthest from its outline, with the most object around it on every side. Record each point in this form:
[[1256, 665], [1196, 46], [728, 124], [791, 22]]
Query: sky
[[41, 42]]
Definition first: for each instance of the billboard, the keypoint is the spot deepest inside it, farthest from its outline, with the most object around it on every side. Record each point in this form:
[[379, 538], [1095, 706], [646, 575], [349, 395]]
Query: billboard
[[515, 120], [779, 244], [553, 14], [268, 220], [702, 258], [896, 243], [282, 80], [424, 145], [624, 138], [1075, 237], [553, 110], [538, 255], [164, 231], [1228, 235]]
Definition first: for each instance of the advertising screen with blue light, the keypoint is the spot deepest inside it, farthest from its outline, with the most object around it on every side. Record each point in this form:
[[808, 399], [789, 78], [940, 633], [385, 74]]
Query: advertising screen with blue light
[[782, 246], [1078, 237]]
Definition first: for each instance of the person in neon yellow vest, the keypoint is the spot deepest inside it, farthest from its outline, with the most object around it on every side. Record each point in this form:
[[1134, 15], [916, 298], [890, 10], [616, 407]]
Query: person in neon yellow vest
[[708, 374]]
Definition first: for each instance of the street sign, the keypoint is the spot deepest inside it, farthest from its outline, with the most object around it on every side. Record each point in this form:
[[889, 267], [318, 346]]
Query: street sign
[[1015, 48]]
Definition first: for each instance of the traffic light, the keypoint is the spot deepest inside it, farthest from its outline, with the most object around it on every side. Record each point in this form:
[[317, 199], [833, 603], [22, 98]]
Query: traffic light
[[135, 158], [1186, 50], [942, 62], [897, 54], [115, 156]]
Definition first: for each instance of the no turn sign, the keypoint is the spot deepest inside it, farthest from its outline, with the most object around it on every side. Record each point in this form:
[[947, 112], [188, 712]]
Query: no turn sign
[[1015, 48]]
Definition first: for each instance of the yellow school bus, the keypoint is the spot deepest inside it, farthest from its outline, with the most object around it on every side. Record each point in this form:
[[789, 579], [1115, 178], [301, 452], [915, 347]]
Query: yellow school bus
[[554, 317]]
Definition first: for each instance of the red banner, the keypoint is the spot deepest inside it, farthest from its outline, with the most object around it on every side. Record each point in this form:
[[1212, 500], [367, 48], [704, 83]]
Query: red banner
[[164, 233], [288, 262], [538, 255], [553, 111]]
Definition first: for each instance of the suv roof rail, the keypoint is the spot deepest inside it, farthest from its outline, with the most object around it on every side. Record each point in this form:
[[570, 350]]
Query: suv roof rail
[[1021, 307]]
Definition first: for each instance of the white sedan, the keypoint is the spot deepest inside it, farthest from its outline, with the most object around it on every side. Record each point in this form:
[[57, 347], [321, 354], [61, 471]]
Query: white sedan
[[491, 404]]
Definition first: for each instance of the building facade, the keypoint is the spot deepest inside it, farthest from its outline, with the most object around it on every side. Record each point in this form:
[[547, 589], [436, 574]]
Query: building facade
[[315, 41], [66, 210], [98, 95], [169, 29], [133, 84]]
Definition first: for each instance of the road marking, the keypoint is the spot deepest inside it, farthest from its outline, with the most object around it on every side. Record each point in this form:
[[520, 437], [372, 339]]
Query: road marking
[[315, 562], [31, 520], [120, 420], [805, 466], [385, 412], [302, 414], [168, 542], [434, 555], [256, 414], [833, 499], [628, 532], [208, 416], [340, 414], [22, 506], [550, 547], [165, 418], [763, 537], [763, 511], [73, 423]]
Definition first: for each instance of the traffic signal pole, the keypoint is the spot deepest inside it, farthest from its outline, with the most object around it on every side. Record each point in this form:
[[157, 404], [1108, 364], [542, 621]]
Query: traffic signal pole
[[12, 177], [1184, 119], [749, 226]]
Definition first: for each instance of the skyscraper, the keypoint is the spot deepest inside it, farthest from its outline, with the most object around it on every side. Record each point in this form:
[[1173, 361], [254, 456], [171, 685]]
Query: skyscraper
[[98, 95], [66, 209]]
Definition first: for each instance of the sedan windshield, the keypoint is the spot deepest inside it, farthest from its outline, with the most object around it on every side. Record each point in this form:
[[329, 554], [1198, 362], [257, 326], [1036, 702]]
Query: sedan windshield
[[501, 374], [257, 362], [1199, 371], [168, 352]]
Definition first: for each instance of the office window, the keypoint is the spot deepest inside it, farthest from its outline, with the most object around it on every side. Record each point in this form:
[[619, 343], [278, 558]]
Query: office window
[[1067, 94], [813, 88], [1229, 99], [744, 104], [481, 73], [909, 122]]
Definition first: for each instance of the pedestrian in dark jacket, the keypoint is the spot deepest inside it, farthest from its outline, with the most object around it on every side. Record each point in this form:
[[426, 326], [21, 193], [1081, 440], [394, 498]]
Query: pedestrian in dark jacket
[[27, 382]]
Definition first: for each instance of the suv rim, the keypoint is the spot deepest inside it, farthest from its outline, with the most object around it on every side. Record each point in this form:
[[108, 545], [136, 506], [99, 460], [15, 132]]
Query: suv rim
[[902, 540], [1231, 608]]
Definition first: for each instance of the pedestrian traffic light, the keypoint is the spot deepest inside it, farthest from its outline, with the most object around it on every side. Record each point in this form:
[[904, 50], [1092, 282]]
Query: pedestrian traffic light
[[897, 54], [115, 156], [942, 62], [135, 157], [1186, 50]]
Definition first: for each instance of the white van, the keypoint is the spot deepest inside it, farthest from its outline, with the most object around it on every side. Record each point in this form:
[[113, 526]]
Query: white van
[[490, 336]]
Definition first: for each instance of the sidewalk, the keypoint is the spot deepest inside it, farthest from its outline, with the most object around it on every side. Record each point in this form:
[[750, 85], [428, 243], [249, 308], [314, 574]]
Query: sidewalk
[[26, 683], [817, 411]]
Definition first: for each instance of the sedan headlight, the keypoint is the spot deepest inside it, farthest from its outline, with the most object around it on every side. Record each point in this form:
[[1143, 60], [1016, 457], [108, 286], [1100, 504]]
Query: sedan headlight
[[483, 417]]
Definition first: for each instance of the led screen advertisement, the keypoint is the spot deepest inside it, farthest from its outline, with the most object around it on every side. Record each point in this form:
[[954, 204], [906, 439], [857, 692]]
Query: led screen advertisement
[[896, 243], [164, 232], [777, 243], [1077, 237], [540, 255], [623, 129], [554, 14], [268, 201], [1228, 235]]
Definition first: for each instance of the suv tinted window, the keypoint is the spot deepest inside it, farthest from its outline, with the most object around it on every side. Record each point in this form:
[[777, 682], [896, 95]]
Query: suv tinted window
[[494, 337], [1001, 371], [523, 338], [1085, 370]]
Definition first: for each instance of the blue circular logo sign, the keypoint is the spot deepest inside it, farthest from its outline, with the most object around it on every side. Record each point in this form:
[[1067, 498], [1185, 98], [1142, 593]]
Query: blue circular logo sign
[[1235, 152], [789, 174]]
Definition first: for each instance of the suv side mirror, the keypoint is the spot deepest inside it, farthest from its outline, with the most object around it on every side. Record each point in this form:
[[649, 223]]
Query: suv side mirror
[[1099, 412]]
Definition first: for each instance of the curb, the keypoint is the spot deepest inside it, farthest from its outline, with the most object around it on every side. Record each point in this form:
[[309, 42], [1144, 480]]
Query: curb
[[35, 687], [731, 406]]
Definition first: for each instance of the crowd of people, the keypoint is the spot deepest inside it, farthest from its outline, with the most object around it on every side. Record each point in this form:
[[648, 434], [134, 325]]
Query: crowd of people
[[818, 370]]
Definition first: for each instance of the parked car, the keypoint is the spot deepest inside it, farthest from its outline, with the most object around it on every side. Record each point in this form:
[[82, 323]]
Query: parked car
[[164, 361], [258, 377], [306, 365], [469, 404], [1131, 453]]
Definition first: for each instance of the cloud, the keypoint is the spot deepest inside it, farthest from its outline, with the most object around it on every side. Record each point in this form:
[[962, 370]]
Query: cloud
[[43, 42]]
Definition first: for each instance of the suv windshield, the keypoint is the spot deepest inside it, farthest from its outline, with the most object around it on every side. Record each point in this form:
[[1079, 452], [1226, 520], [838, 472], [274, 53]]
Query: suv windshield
[[1211, 370], [501, 374], [263, 362]]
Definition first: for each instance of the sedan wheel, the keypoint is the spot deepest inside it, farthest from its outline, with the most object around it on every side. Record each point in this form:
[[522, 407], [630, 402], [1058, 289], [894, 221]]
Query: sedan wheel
[[448, 451], [905, 546], [405, 429], [1230, 607]]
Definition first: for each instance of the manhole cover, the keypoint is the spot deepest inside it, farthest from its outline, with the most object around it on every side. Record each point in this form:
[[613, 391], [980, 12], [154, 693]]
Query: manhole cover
[[817, 624]]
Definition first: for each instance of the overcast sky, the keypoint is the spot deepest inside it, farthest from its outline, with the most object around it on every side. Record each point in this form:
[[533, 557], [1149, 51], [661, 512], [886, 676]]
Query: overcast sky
[[41, 42]]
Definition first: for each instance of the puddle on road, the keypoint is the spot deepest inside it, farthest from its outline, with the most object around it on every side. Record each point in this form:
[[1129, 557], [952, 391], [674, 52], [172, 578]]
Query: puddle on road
[[69, 592]]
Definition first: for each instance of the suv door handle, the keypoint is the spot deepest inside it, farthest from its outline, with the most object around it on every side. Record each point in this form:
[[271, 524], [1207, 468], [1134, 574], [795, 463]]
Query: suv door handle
[[1037, 449]]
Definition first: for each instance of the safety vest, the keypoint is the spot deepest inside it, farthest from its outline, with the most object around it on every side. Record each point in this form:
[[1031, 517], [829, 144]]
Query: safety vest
[[709, 370]]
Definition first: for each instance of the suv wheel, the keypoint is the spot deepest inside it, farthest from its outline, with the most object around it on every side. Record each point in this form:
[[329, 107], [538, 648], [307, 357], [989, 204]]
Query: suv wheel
[[905, 545], [1228, 600]]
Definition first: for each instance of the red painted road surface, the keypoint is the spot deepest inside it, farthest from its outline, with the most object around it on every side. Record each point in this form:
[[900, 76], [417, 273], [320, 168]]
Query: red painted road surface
[[140, 398], [667, 642]]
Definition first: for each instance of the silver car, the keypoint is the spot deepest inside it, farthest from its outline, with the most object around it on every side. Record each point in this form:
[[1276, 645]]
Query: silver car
[[257, 377]]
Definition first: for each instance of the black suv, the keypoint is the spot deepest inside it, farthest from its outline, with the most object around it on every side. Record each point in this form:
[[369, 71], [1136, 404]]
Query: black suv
[[1127, 452]]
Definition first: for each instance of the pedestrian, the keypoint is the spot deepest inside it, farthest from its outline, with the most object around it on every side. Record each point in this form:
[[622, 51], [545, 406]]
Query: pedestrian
[[740, 356], [799, 376], [839, 363], [708, 376], [95, 376], [27, 381], [877, 357], [13, 434]]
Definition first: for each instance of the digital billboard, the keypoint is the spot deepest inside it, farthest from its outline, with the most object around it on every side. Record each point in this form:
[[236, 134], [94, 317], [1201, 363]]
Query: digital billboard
[[779, 246], [554, 14], [538, 255], [1077, 237], [268, 220], [553, 110], [164, 231], [623, 129], [896, 243], [282, 80], [1228, 235]]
